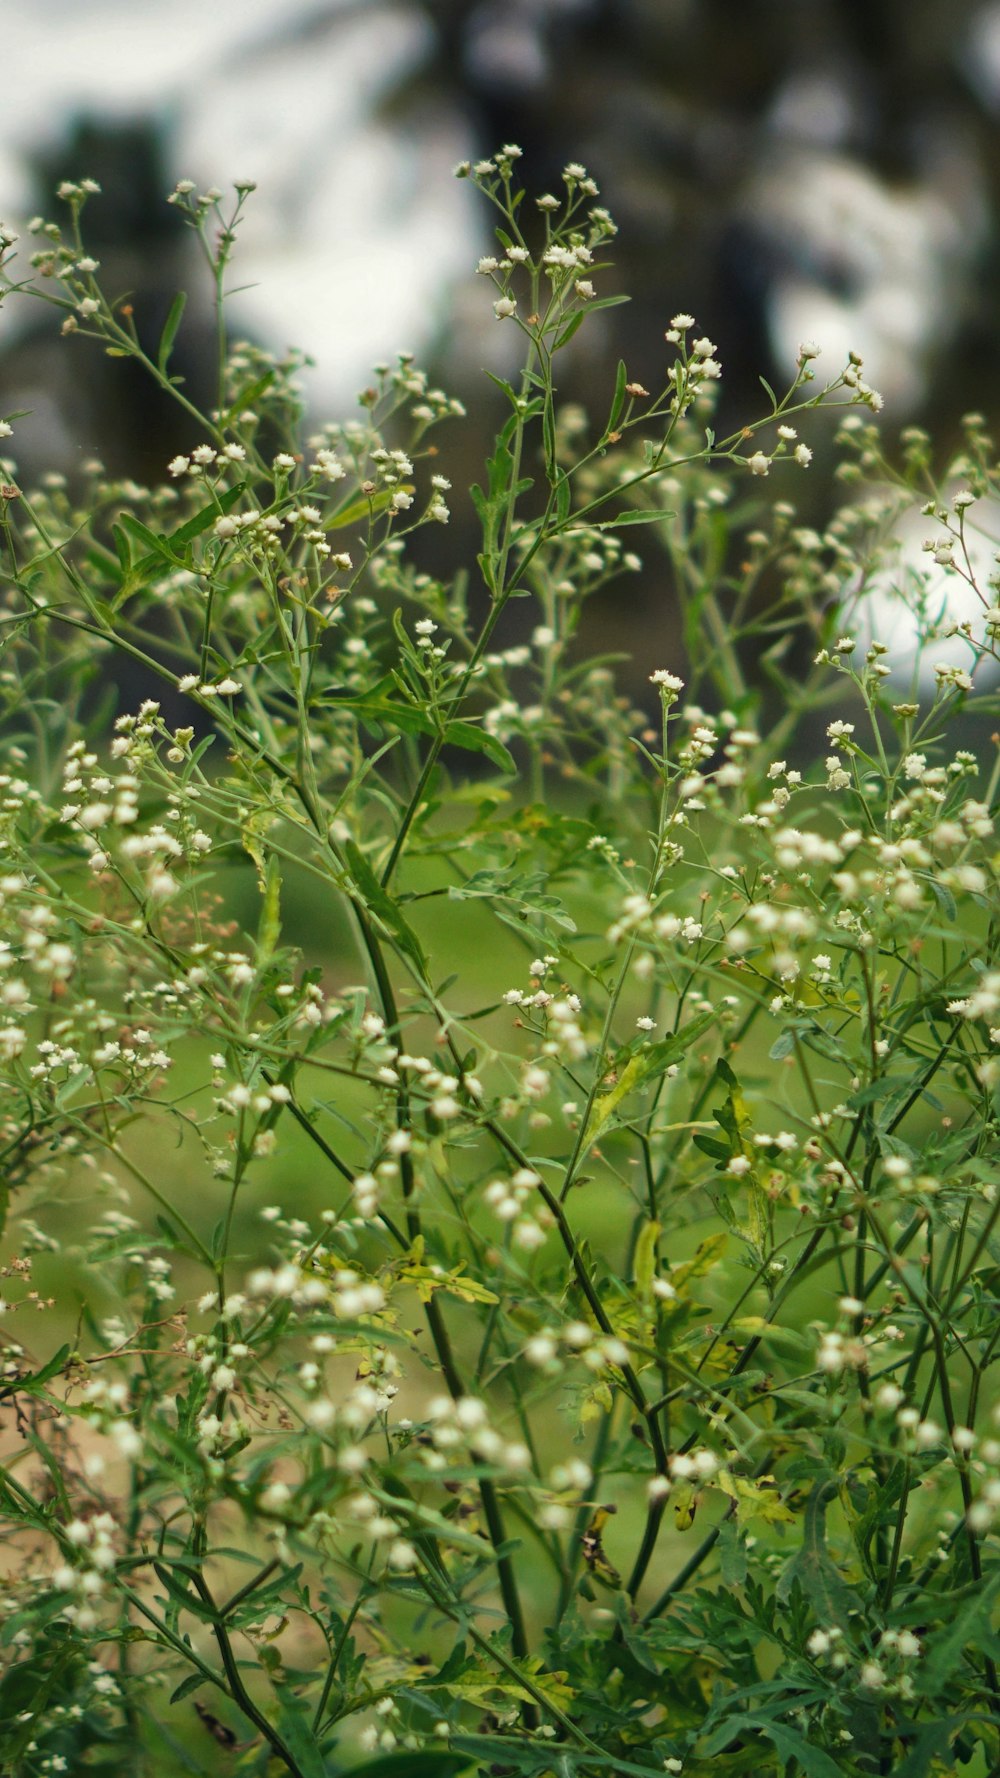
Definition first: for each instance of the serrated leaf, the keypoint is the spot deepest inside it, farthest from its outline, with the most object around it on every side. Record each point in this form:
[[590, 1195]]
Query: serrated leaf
[[815, 1763], [933, 1743], [821, 1581], [538, 1757], [295, 1728], [754, 1500], [970, 1628], [706, 1256]]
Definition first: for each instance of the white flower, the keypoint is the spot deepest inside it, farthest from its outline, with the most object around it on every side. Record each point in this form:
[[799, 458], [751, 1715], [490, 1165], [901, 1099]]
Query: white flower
[[504, 307], [402, 1556], [758, 464]]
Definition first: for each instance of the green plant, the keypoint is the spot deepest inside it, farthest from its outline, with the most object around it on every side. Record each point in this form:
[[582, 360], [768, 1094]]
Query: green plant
[[609, 1392]]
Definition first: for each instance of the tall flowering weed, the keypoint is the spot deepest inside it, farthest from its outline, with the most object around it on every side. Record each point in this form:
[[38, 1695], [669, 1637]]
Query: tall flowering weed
[[500, 1170]]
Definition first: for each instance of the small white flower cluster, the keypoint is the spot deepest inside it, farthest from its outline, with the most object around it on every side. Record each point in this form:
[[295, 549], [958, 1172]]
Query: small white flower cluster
[[698, 1465], [696, 368], [597, 1349], [509, 1199], [984, 1510], [90, 1560], [465, 1425], [638, 918]]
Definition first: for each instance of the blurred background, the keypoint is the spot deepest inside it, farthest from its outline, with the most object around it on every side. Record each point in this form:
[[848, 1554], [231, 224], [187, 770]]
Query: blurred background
[[781, 168]]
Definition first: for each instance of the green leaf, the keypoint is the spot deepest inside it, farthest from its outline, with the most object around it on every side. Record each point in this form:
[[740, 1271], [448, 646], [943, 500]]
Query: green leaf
[[269, 925], [821, 1581], [733, 1564], [969, 1629], [379, 902], [501, 471], [508, 389], [618, 399], [646, 515], [719, 1151], [194, 527], [53, 1365], [932, 1743], [645, 1257], [247, 397], [525, 892], [187, 1686], [123, 549], [568, 331], [646, 1065], [181, 1596], [159, 547], [941, 891], [790, 1746], [413, 1765], [165, 549], [296, 1730], [564, 495], [526, 1756], [170, 327], [357, 511], [607, 302], [478, 740]]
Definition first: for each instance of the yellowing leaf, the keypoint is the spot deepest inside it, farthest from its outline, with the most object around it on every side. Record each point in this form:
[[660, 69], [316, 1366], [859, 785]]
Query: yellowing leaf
[[427, 1279], [645, 1257], [755, 1499], [684, 1501], [645, 1066], [592, 1545], [705, 1260], [596, 1402]]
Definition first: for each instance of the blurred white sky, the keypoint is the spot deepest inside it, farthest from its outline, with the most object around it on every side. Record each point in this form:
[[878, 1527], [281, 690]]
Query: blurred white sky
[[357, 231], [358, 234]]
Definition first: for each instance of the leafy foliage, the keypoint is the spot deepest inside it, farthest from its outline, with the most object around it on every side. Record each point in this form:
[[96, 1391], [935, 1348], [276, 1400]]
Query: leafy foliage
[[610, 1390]]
